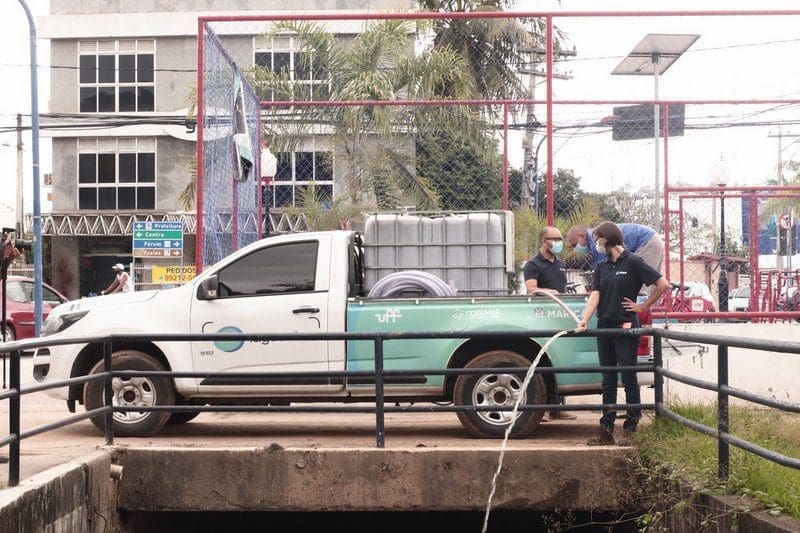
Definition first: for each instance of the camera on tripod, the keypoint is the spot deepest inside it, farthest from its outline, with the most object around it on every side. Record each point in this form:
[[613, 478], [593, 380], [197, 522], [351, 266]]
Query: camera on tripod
[[19, 244]]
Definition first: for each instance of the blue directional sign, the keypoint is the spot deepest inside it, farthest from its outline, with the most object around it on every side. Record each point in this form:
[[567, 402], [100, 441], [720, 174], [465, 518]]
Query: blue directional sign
[[158, 239]]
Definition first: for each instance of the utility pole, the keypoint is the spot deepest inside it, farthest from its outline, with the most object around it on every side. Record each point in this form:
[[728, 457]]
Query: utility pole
[[530, 164], [528, 172], [789, 236], [20, 213]]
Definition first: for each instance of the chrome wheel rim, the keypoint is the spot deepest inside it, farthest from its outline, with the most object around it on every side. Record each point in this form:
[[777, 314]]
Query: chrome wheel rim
[[133, 392], [497, 390]]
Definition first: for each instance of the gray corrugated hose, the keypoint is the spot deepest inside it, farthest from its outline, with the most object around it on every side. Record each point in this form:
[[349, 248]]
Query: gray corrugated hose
[[410, 280]]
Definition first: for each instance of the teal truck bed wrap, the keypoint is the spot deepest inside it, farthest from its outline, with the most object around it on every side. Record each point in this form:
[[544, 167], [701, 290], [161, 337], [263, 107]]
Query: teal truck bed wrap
[[513, 313]]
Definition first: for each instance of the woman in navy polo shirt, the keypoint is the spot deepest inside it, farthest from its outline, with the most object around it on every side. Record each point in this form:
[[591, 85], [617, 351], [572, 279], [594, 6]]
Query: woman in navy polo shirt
[[615, 285]]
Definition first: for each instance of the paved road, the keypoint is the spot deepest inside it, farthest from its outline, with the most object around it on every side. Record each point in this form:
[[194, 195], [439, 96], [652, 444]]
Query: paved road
[[290, 430]]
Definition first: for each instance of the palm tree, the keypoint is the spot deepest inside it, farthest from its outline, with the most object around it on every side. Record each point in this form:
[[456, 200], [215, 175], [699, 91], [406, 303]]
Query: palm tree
[[784, 205], [495, 48], [374, 144]]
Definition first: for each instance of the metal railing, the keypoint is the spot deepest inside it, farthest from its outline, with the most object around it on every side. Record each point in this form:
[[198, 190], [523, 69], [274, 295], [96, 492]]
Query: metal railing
[[723, 390]]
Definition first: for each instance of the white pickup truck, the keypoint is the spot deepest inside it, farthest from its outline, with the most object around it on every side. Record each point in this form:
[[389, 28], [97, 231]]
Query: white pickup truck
[[310, 282]]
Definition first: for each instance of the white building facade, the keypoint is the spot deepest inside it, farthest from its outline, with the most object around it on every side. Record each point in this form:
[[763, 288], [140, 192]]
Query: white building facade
[[122, 151]]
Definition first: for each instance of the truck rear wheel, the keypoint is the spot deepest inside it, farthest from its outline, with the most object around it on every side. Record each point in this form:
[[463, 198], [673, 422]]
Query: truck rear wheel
[[138, 391], [183, 417], [498, 390]]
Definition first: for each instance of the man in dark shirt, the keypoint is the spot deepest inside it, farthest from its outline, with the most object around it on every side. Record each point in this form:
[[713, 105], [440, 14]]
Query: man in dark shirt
[[546, 271]]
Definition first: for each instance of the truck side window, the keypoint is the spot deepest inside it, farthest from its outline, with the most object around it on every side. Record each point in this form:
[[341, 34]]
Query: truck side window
[[274, 270]]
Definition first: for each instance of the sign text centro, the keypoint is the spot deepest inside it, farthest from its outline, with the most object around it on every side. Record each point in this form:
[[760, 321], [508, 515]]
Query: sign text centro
[[158, 239]]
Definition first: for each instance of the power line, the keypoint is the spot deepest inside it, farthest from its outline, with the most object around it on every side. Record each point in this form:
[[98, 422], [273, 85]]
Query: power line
[[690, 51]]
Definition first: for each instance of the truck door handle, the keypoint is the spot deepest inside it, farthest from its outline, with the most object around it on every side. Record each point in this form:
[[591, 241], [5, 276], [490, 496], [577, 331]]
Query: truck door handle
[[305, 310]]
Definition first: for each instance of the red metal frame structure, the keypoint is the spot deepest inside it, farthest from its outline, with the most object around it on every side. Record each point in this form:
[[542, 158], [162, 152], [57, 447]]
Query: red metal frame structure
[[752, 195], [549, 101]]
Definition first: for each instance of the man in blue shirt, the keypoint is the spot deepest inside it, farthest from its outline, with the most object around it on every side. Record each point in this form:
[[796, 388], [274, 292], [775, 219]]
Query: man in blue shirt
[[639, 240]]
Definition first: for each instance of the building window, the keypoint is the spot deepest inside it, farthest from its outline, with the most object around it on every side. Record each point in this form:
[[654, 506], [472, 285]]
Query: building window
[[284, 55], [116, 76], [295, 171], [117, 174]]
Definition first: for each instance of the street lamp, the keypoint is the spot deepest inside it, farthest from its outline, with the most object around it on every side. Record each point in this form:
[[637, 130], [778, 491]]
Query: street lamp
[[722, 289], [654, 55]]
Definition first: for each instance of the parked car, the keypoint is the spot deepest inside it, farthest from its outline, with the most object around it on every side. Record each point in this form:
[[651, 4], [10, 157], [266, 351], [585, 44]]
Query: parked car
[[739, 299], [19, 306], [789, 300]]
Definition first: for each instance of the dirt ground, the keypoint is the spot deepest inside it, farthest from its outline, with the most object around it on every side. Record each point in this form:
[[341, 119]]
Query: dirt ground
[[289, 430]]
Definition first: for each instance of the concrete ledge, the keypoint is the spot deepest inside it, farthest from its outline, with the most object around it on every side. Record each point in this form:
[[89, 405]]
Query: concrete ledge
[[340, 479], [75, 496]]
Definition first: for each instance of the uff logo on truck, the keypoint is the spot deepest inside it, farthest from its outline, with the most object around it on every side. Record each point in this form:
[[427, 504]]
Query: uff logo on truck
[[390, 315]]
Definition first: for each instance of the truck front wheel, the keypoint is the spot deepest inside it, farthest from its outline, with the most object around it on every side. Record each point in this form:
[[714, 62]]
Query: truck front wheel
[[498, 390], [132, 392]]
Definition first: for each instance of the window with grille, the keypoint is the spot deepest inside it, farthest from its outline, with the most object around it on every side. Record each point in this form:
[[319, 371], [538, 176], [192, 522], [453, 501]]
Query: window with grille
[[305, 70], [117, 174], [295, 171], [116, 76]]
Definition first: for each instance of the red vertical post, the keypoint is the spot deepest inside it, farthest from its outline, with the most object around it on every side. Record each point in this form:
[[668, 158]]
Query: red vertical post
[[681, 257], [549, 58], [505, 155], [755, 275], [198, 244], [665, 119]]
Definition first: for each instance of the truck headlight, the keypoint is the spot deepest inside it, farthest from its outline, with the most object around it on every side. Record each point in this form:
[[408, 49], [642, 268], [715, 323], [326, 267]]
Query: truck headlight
[[56, 324]]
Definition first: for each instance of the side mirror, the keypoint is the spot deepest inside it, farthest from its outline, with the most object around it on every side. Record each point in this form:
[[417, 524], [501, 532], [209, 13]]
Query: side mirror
[[208, 288]]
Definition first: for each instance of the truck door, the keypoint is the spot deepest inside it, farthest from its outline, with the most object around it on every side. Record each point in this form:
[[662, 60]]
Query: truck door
[[282, 288]]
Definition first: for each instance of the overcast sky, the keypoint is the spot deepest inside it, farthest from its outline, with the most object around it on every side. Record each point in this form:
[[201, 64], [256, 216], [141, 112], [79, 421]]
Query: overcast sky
[[15, 98], [735, 57]]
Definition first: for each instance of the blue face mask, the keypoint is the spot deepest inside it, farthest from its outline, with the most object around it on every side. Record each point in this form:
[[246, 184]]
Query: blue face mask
[[558, 247], [581, 249]]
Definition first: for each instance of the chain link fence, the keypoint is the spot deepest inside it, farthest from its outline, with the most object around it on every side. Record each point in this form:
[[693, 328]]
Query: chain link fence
[[450, 111]]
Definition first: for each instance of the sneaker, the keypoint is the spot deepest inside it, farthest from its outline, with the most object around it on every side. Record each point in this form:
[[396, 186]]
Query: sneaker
[[603, 437]]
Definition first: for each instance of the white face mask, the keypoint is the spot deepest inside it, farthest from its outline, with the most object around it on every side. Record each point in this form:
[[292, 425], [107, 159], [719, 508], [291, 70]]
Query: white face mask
[[601, 248]]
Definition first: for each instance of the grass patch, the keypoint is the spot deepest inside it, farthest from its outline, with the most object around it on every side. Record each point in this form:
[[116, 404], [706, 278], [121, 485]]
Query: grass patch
[[693, 456]]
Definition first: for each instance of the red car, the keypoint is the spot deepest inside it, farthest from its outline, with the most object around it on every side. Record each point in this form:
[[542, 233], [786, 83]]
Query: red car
[[19, 306]]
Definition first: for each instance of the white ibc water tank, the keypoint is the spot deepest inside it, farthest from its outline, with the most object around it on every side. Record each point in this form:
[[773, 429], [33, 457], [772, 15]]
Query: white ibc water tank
[[468, 250], [433, 253]]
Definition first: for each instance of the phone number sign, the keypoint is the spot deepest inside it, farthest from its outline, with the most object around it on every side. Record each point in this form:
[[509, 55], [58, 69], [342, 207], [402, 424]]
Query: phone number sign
[[158, 239], [172, 274]]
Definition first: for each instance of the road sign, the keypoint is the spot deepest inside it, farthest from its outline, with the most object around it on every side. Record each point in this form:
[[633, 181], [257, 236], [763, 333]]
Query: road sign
[[158, 239]]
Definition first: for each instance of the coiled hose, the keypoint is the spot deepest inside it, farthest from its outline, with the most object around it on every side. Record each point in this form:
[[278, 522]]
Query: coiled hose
[[394, 285]]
